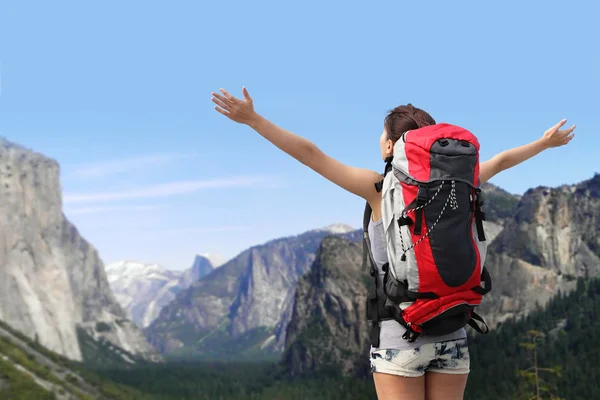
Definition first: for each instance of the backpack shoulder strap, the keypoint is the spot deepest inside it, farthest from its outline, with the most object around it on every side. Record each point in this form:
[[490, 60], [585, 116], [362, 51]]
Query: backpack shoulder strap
[[388, 168], [367, 253], [372, 297]]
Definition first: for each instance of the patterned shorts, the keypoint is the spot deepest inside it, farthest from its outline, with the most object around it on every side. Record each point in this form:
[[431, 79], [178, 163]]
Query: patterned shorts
[[448, 357]]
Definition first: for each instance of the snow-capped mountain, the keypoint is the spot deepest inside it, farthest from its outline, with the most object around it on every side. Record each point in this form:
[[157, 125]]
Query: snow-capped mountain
[[337, 229], [144, 289]]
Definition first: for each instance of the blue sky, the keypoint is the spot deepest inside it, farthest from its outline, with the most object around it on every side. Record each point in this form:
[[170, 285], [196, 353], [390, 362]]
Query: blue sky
[[119, 94]]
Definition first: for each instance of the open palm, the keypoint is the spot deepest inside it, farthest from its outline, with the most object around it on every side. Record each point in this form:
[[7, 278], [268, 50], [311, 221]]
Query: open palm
[[238, 110]]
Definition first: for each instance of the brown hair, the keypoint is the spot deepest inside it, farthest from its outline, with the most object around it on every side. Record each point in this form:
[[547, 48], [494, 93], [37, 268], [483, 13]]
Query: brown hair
[[405, 118]]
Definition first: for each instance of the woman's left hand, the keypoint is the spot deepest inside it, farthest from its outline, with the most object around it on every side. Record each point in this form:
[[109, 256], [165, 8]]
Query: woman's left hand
[[555, 137]]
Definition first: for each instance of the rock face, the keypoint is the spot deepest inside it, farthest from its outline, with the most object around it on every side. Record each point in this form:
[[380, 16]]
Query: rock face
[[499, 204], [499, 208], [51, 280], [328, 330], [144, 289], [241, 309], [553, 238]]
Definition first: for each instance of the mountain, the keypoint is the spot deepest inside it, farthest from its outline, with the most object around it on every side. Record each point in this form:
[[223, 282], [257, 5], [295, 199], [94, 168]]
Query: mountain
[[241, 309], [338, 228], [216, 260], [328, 330], [30, 371], [52, 281], [552, 239], [144, 289], [202, 266], [499, 206], [549, 239]]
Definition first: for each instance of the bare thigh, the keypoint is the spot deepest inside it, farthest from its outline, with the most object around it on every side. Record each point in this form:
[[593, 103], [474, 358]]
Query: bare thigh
[[394, 387], [440, 386]]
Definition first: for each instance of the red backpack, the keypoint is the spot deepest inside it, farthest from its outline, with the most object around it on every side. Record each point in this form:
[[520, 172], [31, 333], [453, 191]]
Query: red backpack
[[433, 221]]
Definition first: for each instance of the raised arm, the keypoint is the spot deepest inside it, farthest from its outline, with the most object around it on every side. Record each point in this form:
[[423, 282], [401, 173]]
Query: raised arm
[[355, 180], [553, 137]]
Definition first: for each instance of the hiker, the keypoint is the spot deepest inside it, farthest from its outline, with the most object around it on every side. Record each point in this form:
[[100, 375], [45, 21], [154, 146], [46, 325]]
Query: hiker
[[435, 171]]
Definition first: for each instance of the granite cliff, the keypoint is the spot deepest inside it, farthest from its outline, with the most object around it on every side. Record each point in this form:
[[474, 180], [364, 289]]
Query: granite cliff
[[52, 281]]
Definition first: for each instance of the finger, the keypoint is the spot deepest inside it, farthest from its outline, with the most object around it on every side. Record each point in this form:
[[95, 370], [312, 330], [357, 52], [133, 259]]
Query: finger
[[222, 104], [225, 113], [557, 126], [222, 98], [571, 129], [566, 132], [246, 94], [228, 96]]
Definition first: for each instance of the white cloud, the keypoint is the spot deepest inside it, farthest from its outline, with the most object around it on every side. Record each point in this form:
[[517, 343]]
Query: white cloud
[[167, 189], [113, 167], [97, 210]]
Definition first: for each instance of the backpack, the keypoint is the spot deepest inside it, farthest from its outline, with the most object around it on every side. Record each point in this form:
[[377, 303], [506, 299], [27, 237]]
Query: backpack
[[433, 222]]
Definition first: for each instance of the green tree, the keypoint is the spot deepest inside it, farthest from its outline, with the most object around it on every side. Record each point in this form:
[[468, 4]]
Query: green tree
[[533, 374]]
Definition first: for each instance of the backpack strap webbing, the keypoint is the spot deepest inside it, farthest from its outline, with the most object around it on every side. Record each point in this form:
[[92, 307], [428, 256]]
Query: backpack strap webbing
[[473, 323], [372, 303], [479, 215], [375, 301], [388, 168]]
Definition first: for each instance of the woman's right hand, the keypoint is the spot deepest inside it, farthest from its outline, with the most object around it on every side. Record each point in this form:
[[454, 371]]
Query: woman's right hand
[[238, 110]]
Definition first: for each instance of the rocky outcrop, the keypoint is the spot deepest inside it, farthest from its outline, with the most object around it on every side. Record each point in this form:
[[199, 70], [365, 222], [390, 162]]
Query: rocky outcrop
[[51, 280], [553, 238], [328, 330], [498, 203], [499, 207], [241, 309]]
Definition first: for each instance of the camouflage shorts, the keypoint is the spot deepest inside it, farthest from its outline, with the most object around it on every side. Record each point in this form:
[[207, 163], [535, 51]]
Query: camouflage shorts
[[449, 357]]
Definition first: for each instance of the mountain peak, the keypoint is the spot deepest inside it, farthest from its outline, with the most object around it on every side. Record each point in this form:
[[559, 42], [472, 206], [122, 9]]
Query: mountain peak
[[337, 228], [592, 185], [202, 265], [216, 260]]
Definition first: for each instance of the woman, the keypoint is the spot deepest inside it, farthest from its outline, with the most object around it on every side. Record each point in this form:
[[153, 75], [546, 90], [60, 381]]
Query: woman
[[432, 368]]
